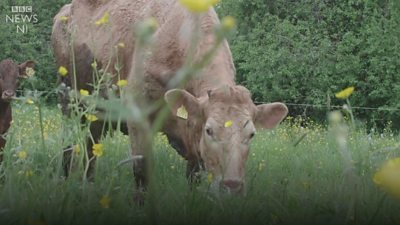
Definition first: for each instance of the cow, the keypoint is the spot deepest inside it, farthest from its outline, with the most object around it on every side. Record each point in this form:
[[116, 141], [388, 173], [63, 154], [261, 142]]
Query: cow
[[9, 74], [222, 117]]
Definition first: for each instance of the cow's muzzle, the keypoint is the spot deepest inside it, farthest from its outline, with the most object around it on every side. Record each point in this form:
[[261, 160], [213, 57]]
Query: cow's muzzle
[[233, 186], [8, 95]]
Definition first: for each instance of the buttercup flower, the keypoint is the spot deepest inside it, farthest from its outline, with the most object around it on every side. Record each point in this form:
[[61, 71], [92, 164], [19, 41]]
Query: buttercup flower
[[210, 177], [228, 22], [91, 117], [103, 20], [29, 101], [22, 154], [198, 6], [121, 45], [94, 65], [62, 71], [388, 177], [345, 93], [76, 149], [228, 123], [98, 150], [105, 202], [64, 18], [84, 92], [28, 173], [122, 83]]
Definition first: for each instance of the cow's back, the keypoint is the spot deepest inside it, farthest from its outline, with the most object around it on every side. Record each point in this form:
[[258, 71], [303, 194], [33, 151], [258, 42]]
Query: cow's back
[[101, 41]]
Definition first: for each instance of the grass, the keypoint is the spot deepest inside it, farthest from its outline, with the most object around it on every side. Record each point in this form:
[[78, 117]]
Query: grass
[[289, 180]]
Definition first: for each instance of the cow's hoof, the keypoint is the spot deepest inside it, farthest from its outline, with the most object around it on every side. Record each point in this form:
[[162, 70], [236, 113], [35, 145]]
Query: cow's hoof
[[139, 197]]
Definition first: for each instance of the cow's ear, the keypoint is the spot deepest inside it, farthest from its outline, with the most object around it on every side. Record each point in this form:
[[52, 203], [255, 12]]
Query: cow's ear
[[182, 102], [270, 115], [22, 67]]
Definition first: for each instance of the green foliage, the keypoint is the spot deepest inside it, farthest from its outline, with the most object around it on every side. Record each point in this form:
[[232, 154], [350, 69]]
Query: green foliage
[[33, 45], [292, 51], [301, 51]]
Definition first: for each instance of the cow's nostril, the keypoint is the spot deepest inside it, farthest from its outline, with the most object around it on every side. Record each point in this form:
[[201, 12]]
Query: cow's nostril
[[233, 184]]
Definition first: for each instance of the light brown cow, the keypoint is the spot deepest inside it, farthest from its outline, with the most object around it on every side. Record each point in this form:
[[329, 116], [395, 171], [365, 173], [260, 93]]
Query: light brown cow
[[221, 115]]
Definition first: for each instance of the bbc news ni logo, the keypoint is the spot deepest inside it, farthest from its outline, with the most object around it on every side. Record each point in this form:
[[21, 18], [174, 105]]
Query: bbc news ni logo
[[21, 16]]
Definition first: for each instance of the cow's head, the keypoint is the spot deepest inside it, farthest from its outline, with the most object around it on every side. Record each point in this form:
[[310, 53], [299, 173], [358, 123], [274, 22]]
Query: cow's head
[[9, 73], [221, 127]]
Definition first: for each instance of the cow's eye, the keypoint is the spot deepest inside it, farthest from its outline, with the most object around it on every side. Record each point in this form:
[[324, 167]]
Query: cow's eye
[[252, 135], [209, 131]]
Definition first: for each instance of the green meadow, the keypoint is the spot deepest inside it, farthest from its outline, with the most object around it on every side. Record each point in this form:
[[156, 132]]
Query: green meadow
[[296, 174]]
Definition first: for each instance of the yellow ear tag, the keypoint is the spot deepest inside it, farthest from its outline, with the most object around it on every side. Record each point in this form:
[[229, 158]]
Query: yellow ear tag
[[29, 72], [228, 123], [182, 113]]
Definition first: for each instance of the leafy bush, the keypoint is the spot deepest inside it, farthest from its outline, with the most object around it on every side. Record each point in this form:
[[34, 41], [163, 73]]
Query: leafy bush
[[33, 45], [303, 52], [293, 51]]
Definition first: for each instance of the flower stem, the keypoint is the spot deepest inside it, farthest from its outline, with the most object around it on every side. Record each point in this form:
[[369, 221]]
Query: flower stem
[[351, 113]]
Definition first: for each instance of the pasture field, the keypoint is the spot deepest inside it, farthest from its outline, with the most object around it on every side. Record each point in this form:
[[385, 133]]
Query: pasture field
[[295, 175]]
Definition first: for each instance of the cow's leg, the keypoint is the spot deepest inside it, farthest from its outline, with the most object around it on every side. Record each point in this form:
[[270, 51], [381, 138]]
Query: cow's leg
[[63, 97], [138, 147], [83, 69], [193, 168]]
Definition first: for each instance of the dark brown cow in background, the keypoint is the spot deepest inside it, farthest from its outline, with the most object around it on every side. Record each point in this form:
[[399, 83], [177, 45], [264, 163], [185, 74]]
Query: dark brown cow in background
[[9, 73]]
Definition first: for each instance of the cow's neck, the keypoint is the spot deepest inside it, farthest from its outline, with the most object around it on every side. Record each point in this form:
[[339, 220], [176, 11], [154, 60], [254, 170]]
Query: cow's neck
[[220, 72], [3, 107]]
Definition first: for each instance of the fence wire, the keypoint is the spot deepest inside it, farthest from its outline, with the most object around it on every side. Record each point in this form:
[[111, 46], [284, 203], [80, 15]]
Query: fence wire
[[295, 104]]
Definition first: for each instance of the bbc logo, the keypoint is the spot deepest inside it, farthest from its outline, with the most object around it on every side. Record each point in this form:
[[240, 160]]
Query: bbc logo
[[21, 9]]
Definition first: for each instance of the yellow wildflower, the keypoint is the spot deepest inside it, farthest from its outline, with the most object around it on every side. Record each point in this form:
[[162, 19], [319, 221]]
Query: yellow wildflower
[[335, 117], [28, 173], [210, 177], [76, 149], [121, 45], [94, 64], [22, 154], [84, 92], [228, 22], [228, 123], [105, 202], [198, 6], [62, 71], [103, 20], [151, 23], [345, 93], [122, 83], [261, 166], [98, 150], [64, 18], [29, 101], [388, 177], [91, 117], [182, 113]]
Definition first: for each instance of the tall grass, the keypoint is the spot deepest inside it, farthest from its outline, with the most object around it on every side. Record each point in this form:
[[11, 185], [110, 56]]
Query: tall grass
[[288, 182], [300, 173]]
